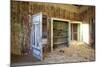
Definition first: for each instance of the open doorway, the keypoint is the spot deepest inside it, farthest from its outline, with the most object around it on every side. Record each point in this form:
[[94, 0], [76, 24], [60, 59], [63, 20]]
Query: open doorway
[[75, 31], [59, 33]]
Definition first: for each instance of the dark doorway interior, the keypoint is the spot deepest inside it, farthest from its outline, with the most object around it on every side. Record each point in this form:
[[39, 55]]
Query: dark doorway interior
[[60, 33]]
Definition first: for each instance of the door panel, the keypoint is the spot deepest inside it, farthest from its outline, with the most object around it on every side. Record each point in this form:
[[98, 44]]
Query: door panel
[[37, 36]]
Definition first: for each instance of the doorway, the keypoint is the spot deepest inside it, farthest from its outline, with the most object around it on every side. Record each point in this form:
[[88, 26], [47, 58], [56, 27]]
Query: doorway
[[59, 33], [75, 31]]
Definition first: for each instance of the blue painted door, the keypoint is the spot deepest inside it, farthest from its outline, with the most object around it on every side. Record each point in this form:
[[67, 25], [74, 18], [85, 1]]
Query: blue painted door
[[36, 34]]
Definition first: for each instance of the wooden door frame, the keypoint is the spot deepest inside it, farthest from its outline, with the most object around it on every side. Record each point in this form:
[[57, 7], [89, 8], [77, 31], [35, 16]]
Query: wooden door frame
[[79, 29], [58, 19]]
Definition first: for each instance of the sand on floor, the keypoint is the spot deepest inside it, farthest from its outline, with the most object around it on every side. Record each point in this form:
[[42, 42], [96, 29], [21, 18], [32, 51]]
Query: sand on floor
[[73, 53], [76, 52]]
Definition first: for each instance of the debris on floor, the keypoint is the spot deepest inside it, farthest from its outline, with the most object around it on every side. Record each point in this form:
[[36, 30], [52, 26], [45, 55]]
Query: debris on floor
[[78, 52]]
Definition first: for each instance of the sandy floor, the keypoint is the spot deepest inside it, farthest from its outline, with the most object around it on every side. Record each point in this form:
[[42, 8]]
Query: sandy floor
[[72, 53]]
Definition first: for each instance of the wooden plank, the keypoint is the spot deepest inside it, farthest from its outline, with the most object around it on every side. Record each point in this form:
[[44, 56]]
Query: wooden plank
[[51, 35]]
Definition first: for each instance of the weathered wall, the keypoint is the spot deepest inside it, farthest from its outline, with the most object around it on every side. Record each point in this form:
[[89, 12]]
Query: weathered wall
[[88, 14], [53, 10], [20, 30]]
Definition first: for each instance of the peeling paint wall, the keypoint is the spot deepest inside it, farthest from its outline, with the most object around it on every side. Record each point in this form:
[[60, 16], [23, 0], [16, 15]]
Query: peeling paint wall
[[20, 26]]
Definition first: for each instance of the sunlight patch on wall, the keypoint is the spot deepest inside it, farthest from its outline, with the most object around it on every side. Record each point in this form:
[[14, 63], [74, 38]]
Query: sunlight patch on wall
[[85, 33]]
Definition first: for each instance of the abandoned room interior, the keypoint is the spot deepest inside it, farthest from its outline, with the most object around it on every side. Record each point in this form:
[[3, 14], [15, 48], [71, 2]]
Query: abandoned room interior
[[43, 33]]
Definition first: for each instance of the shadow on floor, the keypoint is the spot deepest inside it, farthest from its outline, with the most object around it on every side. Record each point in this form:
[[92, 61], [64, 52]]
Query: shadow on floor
[[18, 60]]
